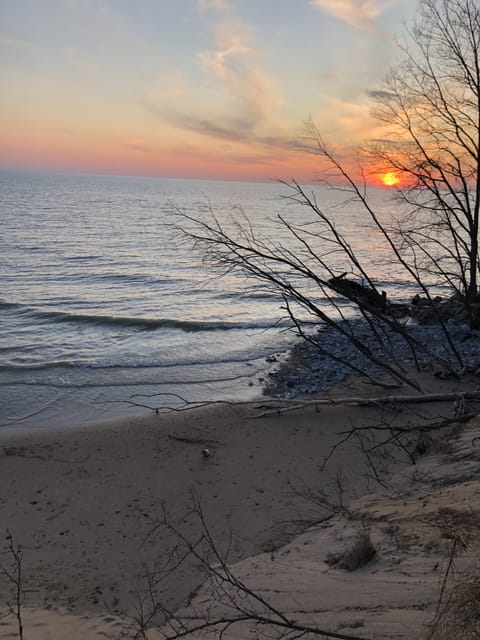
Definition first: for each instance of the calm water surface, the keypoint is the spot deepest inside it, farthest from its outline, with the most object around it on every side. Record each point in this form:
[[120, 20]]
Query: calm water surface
[[100, 300]]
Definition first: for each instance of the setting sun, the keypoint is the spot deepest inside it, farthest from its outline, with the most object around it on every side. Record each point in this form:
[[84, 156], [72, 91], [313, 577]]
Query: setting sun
[[390, 179]]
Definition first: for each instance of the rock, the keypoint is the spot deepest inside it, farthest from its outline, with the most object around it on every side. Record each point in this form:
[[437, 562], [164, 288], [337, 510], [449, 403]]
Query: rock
[[308, 369]]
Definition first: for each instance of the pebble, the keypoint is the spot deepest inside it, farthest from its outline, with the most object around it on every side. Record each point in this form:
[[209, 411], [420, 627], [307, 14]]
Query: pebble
[[307, 370]]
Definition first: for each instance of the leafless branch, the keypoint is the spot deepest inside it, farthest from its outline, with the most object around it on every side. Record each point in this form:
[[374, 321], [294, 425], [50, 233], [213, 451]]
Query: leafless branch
[[13, 571]]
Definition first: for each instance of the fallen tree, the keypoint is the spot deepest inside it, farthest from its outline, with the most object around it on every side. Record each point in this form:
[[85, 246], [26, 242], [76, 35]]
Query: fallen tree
[[279, 405]]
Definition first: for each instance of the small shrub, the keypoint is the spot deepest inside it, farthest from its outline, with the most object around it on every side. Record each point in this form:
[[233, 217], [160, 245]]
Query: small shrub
[[423, 445]]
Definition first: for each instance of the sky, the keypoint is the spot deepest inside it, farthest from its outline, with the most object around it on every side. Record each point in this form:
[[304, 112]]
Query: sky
[[214, 89]]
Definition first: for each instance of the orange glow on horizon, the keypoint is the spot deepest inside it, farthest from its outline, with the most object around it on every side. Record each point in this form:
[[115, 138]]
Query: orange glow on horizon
[[390, 179]]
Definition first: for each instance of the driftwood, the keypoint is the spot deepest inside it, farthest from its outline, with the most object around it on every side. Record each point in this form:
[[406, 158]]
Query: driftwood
[[276, 406], [292, 405], [358, 292]]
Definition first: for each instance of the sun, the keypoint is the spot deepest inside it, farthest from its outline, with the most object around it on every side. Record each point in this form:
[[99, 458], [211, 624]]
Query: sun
[[390, 179]]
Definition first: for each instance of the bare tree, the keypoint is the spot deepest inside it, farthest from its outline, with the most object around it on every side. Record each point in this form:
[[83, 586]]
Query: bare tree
[[430, 103]]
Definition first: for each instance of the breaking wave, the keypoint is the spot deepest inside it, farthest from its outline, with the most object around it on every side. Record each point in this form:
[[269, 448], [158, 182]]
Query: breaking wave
[[145, 323]]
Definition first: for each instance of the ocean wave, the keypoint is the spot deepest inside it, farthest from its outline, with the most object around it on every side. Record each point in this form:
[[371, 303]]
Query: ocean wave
[[262, 297], [10, 305], [139, 322], [111, 384], [41, 366], [138, 277], [83, 258], [144, 323], [119, 365]]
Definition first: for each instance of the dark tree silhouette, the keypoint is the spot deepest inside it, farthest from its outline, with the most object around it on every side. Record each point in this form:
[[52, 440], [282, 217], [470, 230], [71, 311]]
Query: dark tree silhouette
[[430, 103]]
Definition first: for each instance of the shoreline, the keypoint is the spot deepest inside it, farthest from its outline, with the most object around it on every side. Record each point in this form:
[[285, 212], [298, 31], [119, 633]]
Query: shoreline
[[302, 369], [43, 404], [309, 370]]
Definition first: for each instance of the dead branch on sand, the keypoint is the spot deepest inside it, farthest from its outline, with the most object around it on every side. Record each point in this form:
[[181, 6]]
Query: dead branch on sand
[[358, 401], [231, 601], [277, 406], [14, 576]]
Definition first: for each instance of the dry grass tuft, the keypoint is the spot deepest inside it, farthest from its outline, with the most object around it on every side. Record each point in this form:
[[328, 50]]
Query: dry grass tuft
[[458, 610], [360, 553], [458, 617]]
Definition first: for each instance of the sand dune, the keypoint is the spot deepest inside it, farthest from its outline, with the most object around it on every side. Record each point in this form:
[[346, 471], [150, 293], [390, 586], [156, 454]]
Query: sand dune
[[81, 504]]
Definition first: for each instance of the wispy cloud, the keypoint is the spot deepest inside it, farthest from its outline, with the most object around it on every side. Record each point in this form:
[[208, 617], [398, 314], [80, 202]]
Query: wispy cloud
[[205, 5], [268, 151], [229, 128], [351, 122], [230, 43], [241, 96], [360, 14], [138, 144], [234, 63], [14, 43]]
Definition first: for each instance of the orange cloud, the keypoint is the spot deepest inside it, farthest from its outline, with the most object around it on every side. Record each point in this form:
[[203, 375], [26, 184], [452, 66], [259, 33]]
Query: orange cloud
[[360, 14], [219, 5]]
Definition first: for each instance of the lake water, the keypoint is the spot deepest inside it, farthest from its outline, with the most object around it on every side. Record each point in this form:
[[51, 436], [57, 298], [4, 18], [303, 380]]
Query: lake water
[[101, 300]]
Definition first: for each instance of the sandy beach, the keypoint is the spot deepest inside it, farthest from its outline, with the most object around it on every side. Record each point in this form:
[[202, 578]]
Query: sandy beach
[[82, 503]]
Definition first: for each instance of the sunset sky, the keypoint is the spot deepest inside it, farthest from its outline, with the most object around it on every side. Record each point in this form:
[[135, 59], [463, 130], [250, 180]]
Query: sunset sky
[[188, 88]]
